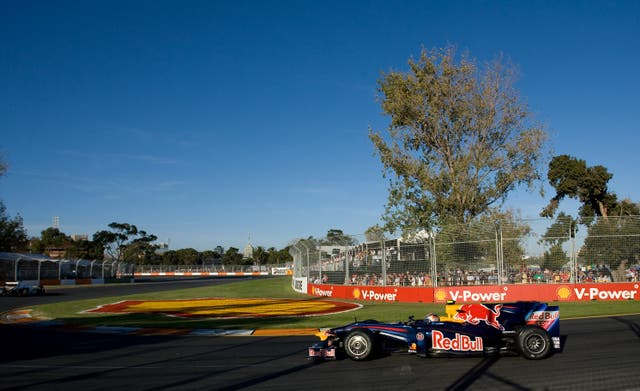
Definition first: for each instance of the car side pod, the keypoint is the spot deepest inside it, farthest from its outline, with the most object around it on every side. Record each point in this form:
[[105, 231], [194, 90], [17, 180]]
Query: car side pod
[[491, 351]]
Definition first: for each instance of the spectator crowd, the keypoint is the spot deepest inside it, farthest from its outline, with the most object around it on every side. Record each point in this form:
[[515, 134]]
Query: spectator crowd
[[461, 276]]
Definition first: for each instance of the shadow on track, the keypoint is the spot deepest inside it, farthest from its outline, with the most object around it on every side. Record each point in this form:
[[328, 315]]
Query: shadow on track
[[475, 373], [253, 382], [27, 343], [635, 327]]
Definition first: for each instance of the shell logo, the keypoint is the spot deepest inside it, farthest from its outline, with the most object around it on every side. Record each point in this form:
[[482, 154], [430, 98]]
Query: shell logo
[[441, 295], [563, 293], [356, 293]]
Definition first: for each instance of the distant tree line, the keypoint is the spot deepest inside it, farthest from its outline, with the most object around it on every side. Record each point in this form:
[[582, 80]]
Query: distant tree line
[[124, 243], [232, 256]]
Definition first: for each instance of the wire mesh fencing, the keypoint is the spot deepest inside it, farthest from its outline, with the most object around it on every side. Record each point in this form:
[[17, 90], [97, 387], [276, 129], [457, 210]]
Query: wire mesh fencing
[[20, 267], [605, 249]]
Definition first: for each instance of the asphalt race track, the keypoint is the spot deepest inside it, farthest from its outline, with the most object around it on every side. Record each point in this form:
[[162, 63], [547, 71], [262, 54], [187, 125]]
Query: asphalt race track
[[56, 294], [599, 354]]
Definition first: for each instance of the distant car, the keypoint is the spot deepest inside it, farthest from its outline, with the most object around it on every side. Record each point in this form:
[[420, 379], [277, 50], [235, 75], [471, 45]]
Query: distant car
[[527, 328], [22, 288]]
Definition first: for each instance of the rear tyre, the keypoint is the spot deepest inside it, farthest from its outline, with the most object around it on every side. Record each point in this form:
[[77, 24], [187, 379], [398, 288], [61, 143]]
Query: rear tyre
[[534, 343], [358, 345]]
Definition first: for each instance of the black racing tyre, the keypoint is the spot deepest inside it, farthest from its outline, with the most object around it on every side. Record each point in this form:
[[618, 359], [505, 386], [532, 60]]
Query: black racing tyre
[[358, 345], [534, 343]]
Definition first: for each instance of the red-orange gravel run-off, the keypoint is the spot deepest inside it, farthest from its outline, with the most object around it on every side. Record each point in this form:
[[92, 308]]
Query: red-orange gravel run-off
[[229, 308]]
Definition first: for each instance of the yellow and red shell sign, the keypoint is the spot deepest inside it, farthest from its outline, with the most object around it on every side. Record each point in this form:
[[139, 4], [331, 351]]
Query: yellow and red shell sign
[[564, 293], [228, 308]]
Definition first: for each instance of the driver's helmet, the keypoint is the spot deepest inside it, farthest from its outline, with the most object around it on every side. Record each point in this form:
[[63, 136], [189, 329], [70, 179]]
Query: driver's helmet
[[431, 317]]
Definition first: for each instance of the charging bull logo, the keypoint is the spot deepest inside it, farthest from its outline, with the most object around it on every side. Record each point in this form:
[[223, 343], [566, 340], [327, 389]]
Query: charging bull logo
[[460, 342], [474, 313]]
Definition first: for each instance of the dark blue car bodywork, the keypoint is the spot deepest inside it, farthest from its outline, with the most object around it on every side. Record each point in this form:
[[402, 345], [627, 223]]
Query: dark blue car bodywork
[[527, 328]]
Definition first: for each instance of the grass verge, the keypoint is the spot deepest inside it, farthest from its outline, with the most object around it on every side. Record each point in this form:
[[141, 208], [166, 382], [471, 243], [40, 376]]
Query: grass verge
[[72, 312]]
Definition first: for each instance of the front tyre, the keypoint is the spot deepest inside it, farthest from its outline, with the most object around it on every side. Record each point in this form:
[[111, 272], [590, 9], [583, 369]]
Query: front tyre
[[533, 343], [358, 345]]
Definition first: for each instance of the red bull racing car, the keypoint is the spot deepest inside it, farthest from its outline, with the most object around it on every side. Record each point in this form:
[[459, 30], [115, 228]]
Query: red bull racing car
[[527, 328]]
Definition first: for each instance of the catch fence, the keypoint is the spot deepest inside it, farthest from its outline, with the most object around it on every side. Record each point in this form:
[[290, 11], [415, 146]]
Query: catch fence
[[21, 267], [514, 252], [216, 268]]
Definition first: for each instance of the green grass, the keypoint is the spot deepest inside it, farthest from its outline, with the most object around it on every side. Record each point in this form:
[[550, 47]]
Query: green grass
[[72, 312]]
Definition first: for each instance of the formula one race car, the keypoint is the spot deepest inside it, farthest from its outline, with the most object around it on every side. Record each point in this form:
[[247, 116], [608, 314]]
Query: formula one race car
[[528, 328], [22, 288]]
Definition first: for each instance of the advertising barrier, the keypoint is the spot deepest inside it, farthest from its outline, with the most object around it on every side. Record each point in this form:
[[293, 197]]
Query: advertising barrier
[[199, 274], [484, 293], [281, 271], [300, 284], [373, 293]]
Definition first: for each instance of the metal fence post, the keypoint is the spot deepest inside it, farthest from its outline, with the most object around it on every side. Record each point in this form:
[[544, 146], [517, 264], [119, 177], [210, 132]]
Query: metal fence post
[[499, 254], [296, 263], [320, 264], [434, 261], [574, 256], [383, 263], [503, 274], [307, 248], [346, 266]]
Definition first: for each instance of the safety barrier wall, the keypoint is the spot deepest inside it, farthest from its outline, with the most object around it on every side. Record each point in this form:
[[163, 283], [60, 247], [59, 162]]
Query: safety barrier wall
[[275, 269], [94, 281], [486, 293], [81, 281]]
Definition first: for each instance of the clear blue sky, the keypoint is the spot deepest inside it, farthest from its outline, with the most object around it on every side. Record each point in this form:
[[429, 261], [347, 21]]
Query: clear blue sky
[[204, 122]]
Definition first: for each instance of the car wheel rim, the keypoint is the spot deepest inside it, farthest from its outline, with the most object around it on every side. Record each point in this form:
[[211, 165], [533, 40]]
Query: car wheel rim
[[535, 344], [358, 345]]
